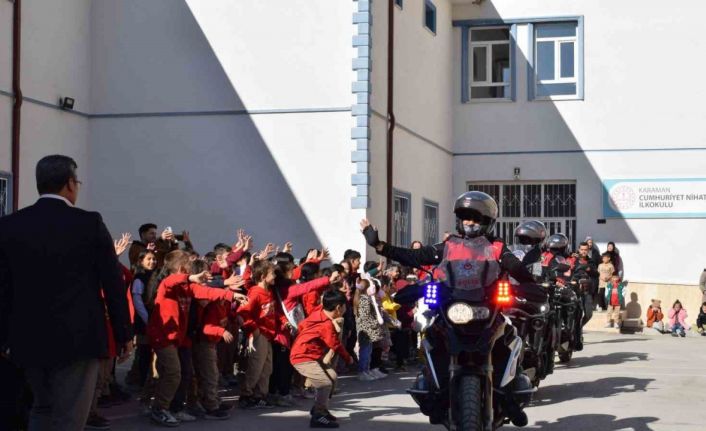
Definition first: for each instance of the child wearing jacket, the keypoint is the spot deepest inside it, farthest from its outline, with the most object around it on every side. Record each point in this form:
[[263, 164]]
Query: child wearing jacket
[[369, 322], [168, 325], [317, 335], [262, 321], [677, 320], [655, 316], [615, 299]]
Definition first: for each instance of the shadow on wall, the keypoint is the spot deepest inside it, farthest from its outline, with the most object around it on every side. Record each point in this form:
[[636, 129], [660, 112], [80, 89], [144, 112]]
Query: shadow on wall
[[532, 135], [204, 172]]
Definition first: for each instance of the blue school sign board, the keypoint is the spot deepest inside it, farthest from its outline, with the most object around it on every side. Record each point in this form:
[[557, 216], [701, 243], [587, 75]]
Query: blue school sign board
[[654, 198]]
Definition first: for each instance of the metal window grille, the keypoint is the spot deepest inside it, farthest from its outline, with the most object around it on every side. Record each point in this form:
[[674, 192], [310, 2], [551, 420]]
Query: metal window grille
[[552, 203], [402, 219], [5, 194], [431, 222]]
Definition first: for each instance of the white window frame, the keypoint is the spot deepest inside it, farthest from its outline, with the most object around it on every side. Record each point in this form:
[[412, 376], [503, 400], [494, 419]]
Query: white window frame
[[557, 65], [488, 64]]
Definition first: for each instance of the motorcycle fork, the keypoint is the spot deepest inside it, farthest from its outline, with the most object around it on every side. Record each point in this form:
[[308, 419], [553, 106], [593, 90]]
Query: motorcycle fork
[[453, 405]]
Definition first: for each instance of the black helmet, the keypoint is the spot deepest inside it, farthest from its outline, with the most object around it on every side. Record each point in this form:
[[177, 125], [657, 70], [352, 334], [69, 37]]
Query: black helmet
[[531, 232], [476, 206], [558, 243]]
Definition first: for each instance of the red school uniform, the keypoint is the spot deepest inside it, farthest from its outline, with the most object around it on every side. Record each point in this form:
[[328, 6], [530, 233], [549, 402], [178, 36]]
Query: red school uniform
[[317, 336], [168, 321], [261, 312]]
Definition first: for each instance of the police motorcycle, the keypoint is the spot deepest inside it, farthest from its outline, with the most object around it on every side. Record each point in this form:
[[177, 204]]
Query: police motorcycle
[[470, 380], [531, 312], [566, 292]]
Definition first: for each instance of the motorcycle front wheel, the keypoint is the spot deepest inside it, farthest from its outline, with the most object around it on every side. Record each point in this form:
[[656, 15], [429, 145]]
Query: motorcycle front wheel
[[470, 402]]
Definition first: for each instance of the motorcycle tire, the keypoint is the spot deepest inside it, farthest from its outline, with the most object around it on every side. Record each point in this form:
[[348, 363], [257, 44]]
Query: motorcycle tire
[[565, 357], [470, 402]]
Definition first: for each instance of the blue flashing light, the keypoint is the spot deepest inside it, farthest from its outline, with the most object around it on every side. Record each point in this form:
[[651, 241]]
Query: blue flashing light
[[430, 297]]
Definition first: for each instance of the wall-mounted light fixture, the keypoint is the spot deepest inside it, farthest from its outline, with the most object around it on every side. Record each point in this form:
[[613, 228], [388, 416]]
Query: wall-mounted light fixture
[[516, 173], [67, 103]]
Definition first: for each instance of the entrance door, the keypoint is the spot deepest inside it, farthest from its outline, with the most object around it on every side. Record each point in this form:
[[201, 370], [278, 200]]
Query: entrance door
[[553, 203]]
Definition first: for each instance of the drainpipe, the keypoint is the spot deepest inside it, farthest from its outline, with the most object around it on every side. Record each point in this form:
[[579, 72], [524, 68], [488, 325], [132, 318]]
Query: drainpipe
[[16, 108], [390, 113]]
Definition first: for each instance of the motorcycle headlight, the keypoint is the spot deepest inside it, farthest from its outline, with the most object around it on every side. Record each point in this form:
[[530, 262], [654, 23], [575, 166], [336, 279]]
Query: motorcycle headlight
[[461, 313]]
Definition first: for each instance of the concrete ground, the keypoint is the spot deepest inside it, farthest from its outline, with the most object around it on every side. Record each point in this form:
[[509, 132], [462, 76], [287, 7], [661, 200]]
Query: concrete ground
[[619, 382]]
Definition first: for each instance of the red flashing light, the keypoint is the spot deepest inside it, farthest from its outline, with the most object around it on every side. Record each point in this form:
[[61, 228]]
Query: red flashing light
[[504, 293]]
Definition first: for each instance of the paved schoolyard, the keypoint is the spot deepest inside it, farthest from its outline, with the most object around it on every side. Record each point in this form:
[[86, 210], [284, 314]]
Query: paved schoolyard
[[619, 382]]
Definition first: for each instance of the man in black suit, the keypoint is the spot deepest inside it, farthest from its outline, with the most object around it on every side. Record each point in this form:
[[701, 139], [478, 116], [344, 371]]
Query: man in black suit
[[55, 260]]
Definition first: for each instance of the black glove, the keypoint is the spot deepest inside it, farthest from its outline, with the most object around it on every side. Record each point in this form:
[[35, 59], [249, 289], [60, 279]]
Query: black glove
[[371, 236]]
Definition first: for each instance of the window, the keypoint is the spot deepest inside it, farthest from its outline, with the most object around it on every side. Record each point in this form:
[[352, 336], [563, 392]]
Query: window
[[5, 194], [402, 235], [553, 203], [491, 68], [399, 3], [431, 222], [430, 16], [557, 61]]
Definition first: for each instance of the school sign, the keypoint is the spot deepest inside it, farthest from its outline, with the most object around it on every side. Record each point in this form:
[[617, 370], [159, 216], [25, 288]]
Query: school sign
[[654, 198]]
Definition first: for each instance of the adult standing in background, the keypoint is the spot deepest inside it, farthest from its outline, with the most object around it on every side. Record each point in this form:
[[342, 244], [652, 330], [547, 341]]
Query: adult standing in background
[[702, 285], [54, 261], [594, 251], [616, 259]]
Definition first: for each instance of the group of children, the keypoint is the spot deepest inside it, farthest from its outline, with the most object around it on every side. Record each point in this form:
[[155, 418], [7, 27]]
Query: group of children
[[677, 324], [613, 289], [288, 326]]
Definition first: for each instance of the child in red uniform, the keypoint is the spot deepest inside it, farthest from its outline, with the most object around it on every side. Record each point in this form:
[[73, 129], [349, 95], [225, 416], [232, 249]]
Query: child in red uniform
[[168, 323], [317, 335], [261, 322]]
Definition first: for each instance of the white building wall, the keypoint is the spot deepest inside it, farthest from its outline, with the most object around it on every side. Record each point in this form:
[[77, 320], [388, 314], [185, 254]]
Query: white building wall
[[423, 109], [283, 176], [56, 42], [634, 50]]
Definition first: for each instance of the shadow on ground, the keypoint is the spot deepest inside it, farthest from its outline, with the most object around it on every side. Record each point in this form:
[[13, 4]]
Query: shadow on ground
[[602, 388], [615, 358], [594, 422], [617, 340]]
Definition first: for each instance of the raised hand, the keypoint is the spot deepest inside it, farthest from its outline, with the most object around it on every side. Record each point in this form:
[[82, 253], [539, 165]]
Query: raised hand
[[241, 240], [185, 236], [324, 255], [122, 244], [234, 280], [335, 277], [247, 242], [201, 278], [240, 298], [151, 246], [288, 247]]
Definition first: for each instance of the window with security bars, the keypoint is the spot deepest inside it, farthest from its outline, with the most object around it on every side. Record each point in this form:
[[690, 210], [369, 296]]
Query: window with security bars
[[5, 189], [401, 235], [431, 222], [554, 204]]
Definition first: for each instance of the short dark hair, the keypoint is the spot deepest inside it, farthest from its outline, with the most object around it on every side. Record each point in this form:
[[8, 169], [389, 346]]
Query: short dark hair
[[583, 243], [283, 257], [54, 172], [221, 246], [351, 255], [308, 271], [145, 227], [332, 299]]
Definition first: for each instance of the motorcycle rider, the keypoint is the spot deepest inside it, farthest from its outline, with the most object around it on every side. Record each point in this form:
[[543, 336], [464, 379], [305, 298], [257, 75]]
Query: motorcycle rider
[[529, 235], [585, 267], [552, 259], [476, 213]]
